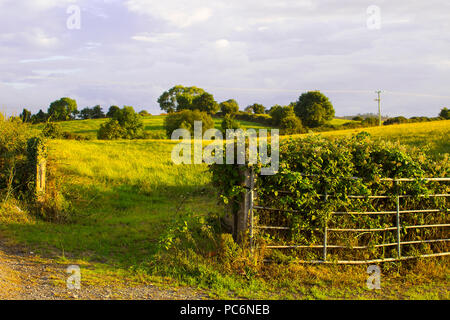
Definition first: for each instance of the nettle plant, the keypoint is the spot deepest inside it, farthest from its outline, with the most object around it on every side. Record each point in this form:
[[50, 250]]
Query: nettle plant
[[313, 167]]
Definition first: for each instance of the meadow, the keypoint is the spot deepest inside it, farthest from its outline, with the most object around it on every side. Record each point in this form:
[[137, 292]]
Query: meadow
[[130, 206], [153, 125]]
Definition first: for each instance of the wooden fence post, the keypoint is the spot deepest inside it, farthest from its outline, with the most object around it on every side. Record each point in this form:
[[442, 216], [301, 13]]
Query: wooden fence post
[[241, 218], [37, 157]]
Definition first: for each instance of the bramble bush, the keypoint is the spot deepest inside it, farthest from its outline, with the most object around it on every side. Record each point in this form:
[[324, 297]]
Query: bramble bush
[[314, 166]]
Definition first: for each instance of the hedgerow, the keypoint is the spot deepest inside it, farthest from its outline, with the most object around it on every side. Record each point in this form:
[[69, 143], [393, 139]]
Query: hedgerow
[[314, 166]]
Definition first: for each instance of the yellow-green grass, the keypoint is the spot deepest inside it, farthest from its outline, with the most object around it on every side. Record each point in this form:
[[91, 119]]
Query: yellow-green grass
[[431, 137], [153, 125]]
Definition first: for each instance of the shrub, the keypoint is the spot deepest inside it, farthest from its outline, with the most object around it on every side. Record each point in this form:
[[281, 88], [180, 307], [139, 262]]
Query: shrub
[[185, 120], [395, 120], [278, 113], [370, 122], [125, 124], [14, 170], [52, 130], [229, 107], [358, 118], [229, 123], [291, 125], [111, 130]]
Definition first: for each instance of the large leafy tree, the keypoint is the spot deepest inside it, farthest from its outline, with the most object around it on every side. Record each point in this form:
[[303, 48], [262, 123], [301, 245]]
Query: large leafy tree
[[63, 109], [229, 107], [180, 98], [314, 109]]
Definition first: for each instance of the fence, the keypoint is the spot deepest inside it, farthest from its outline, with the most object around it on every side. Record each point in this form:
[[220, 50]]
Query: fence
[[248, 206]]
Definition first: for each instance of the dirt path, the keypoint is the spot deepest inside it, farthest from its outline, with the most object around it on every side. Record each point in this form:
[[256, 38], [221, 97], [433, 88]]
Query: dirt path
[[25, 276]]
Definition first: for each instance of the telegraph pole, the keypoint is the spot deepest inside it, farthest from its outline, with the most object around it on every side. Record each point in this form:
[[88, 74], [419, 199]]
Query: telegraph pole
[[379, 106]]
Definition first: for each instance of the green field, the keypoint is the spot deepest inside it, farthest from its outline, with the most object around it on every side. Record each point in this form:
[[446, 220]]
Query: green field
[[154, 126], [126, 196]]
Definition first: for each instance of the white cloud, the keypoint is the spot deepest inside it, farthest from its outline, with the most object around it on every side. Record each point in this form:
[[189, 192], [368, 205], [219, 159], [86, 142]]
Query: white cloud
[[179, 13]]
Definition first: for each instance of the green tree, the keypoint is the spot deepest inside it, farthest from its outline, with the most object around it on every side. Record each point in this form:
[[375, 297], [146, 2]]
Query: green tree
[[445, 113], [179, 98], [86, 113], [256, 108], [130, 123], [39, 117], [206, 103], [278, 113], [63, 109], [112, 111], [97, 112], [314, 109], [229, 107], [144, 113], [25, 115], [185, 120]]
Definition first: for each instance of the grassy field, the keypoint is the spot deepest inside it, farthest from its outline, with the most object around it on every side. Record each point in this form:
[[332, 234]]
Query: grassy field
[[129, 202], [154, 126]]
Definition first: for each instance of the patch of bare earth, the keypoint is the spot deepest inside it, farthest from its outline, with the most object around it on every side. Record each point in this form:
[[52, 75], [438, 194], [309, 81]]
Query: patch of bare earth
[[24, 276]]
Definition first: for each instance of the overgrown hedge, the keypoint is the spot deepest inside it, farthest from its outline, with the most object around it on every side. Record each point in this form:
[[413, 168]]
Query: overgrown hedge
[[315, 166]]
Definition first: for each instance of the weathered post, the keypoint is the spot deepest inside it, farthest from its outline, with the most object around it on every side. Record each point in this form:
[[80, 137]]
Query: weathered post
[[241, 218], [37, 159]]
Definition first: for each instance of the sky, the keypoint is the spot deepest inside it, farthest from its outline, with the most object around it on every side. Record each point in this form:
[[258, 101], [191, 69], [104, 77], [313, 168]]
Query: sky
[[112, 52]]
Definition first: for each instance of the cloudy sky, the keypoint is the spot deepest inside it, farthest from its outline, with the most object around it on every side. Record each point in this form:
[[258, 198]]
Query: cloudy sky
[[268, 51]]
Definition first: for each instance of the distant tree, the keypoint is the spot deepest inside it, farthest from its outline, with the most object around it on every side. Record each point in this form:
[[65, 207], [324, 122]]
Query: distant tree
[[314, 109], [185, 120], [25, 115], [97, 112], [144, 113], [130, 123], [229, 107], [206, 103], [179, 98], [395, 120], [358, 118], [370, 122], [445, 113], [112, 111], [86, 113], [278, 113], [63, 109], [256, 108], [39, 117]]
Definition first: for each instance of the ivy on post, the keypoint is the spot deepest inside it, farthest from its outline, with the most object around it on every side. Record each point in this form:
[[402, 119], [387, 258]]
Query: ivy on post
[[37, 163], [241, 218]]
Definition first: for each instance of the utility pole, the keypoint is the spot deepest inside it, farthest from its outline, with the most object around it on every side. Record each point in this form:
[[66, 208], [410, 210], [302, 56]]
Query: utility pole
[[379, 106]]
